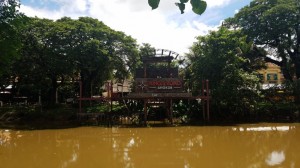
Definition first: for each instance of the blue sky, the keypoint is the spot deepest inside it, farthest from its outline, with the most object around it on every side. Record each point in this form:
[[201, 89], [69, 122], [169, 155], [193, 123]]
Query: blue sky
[[163, 28]]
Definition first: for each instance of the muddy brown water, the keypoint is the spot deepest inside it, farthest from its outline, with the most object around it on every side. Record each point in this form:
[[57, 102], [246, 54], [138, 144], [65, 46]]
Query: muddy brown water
[[240, 146]]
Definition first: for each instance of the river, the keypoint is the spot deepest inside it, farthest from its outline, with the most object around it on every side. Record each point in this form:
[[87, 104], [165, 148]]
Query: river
[[238, 146]]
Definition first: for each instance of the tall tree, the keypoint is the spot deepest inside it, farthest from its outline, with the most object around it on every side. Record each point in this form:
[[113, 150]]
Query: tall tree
[[89, 51], [11, 22], [45, 55], [124, 52], [218, 57], [102, 53], [275, 26], [64, 49]]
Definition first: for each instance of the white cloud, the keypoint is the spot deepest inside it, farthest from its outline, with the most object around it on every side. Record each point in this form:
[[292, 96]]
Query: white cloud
[[74, 6], [148, 26], [217, 3], [164, 27], [40, 12]]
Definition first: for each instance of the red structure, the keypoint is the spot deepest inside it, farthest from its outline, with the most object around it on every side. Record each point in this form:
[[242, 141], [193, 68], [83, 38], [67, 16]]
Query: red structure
[[159, 84]]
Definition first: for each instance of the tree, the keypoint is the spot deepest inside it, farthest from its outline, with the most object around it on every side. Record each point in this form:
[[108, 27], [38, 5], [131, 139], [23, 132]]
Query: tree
[[146, 50], [11, 23], [124, 52], [100, 52], [218, 57], [198, 6], [45, 62], [275, 26], [64, 50], [87, 48], [8, 32]]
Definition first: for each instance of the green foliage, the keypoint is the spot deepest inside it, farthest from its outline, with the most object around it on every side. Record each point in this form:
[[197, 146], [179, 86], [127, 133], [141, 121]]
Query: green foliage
[[11, 22], [274, 25], [184, 1], [44, 59], [181, 7], [146, 50], [125, 55], [98, 109], [215, 57], [198, 6], [153, 3], [56, 53], [104, 108]]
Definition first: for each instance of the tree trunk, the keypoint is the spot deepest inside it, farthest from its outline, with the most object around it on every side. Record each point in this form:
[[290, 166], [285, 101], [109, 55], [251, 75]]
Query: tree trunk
[[53, 92], [297, 67], [86, 86], [297, 91]]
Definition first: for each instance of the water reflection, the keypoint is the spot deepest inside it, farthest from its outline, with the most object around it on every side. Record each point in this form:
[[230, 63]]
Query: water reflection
[[275, 158], [265, 128], [5, 137], [197, 141], [263, 145]]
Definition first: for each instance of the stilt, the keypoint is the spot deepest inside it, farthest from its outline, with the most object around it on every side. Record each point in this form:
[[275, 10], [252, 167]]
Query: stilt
[[203, 101], [171, 110], [156, 90], [145, 112], [80, 96], [207, 99]]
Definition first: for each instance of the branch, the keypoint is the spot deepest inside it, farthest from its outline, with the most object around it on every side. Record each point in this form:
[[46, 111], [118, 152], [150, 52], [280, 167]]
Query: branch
[[268, 59], [292, 54]]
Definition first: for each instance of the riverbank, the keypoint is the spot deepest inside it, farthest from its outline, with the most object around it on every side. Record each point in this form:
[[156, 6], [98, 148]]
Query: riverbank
[[38, 117], [66, 116]]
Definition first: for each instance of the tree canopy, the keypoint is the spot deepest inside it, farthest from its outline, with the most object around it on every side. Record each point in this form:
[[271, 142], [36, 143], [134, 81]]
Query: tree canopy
[[223, 57], [11, 22], [55, 53], [275, 26]]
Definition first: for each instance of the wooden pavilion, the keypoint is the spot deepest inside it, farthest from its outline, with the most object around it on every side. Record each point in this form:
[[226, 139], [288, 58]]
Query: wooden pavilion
[[158, 84]]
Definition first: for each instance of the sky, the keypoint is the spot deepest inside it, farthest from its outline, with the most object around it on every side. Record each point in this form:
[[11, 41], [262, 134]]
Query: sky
[[163, 28]]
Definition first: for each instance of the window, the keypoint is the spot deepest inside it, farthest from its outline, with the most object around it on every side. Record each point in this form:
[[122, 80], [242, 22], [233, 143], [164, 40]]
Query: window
[[272, 78]]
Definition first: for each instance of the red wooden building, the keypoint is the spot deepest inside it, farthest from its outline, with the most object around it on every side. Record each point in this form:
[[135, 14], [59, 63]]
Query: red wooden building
[[158, 84]]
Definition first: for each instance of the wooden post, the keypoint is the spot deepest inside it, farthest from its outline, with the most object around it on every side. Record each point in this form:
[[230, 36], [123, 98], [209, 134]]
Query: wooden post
[[145, 111], [108, 116], [80, 96], [40, 97], [145, 70], [203, 101], [169, 67], [171, 110], [207, 99], [111, 95]]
